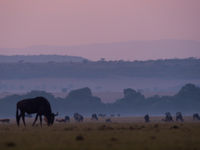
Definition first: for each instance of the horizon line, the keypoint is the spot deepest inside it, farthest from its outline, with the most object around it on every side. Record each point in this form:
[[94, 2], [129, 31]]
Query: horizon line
[[96, 43]]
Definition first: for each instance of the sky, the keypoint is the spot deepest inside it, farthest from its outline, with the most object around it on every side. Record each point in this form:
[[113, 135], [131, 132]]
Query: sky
[[25, 23]]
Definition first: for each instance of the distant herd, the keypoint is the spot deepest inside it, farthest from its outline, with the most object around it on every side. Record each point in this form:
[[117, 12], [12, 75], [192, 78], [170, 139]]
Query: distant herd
[[41, 107]]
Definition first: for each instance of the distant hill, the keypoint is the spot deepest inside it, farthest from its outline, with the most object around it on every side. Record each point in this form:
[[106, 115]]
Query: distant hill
[[139, 50], [39, 58], [130, 50]]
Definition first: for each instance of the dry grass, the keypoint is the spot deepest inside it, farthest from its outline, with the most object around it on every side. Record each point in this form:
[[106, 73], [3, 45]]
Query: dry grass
[[102, 136]]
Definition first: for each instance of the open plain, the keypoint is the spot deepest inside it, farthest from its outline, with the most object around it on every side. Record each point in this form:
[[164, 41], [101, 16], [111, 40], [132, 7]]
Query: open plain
[[122, 134]]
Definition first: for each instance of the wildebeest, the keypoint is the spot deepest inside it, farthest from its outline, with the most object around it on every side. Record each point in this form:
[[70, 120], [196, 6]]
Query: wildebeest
[[168, 117], [196, 116], [38, 105], [60, 120], [94, 117], [146, 118], [66, 119], [112, 115], [102, 115], [108, 120], [5, 120], [78, 117], [179, 117]]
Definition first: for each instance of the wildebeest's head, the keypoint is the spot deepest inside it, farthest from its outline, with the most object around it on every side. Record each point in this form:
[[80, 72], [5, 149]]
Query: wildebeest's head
[[51, 118]]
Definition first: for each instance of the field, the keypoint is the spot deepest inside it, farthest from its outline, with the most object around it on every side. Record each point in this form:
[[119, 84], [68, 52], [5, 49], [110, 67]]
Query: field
[[121, 134]]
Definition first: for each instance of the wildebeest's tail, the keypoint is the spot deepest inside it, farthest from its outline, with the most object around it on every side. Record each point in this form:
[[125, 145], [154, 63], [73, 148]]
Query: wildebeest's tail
[[17, 116]]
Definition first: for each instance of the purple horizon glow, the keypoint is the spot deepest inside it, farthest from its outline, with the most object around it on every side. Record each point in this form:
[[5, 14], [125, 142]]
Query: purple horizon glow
[[24, 23]]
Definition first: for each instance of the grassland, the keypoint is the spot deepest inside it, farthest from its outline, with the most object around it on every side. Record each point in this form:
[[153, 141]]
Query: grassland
[[121, 135]]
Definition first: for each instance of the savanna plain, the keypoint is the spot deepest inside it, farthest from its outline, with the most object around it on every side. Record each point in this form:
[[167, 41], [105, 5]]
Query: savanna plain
[[121, 134]]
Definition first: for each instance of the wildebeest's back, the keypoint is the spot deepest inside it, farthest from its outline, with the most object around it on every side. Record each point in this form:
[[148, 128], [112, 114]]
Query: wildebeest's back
[[34, 105]]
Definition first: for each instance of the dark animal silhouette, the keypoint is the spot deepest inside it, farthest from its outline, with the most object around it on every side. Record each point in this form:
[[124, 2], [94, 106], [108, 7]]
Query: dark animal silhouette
[[168, 117], [112, 115], [102, 115], [66, 119], [108, 120], [94, 117], [5, 120], [196, 116], [146, 118], [78, 117], [38, 105], [179, 117], [60, 120]]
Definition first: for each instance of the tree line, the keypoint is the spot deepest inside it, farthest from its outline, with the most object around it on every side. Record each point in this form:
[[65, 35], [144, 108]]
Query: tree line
[[187, 100], [168, 69]]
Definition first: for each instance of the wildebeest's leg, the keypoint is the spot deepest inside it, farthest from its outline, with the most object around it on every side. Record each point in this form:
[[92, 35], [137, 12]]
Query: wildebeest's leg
[[18, 119], [23, 118], [17, 116], [41, 120], [35, 120]]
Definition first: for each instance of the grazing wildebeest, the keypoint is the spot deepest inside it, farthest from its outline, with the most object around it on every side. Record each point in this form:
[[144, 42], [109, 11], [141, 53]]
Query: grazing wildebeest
[[179, 117], [66, 119], [38, 105], [168, 117], [94, 117], [102, 115], [196, 116], [60, 120], [112, 115], [78, 117], [5, 120], [146, 118], [108, 120]]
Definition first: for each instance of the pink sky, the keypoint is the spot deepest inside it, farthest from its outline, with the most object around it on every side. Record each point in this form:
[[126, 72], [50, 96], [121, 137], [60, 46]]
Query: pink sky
[[25, 23]]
